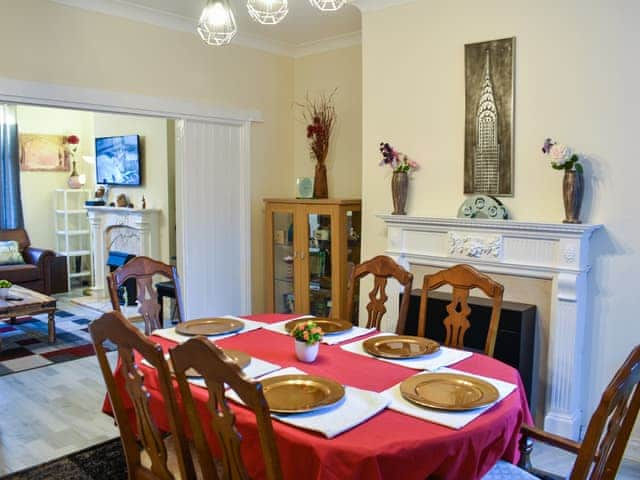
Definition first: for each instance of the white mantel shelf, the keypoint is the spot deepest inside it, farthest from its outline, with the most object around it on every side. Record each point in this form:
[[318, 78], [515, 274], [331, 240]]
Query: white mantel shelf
[[555, 251]]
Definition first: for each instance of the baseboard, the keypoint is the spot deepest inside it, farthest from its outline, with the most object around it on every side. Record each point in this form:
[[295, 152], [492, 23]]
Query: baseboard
[[633, 449]]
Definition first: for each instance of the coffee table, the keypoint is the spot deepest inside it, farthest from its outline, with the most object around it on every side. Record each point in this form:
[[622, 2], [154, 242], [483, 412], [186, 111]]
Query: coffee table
[[22, 302]]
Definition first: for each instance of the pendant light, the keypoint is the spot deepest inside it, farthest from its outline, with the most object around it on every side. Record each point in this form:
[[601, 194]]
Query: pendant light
[[327, 5], [217, 25], [267, 12]]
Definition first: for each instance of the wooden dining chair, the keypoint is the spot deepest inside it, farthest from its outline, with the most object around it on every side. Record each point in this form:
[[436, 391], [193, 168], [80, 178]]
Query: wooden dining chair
[[463, 279], [217, 370], [142, 269], [382, 268], [600, 453], [125, 387]]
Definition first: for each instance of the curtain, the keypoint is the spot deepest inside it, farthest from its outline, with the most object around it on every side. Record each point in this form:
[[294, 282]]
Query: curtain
[[10, 198]]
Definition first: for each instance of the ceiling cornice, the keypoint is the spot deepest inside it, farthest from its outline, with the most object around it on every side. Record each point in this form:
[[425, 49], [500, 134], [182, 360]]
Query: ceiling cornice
[[171, 21], [371, 5]]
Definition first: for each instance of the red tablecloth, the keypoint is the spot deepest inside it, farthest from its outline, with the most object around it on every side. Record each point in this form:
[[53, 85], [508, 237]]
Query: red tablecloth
[[388, 446]]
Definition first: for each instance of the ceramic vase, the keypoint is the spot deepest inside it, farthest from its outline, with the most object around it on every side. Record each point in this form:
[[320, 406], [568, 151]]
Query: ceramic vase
[[320, 186], [572, 192], [307, 353], [399, 187], [74, 179]]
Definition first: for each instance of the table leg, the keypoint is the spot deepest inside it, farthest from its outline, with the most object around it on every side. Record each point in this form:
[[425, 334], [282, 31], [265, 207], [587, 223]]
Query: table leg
[[52, 327]]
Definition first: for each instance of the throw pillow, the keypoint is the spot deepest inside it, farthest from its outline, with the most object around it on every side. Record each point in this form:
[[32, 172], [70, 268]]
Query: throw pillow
[[10, 253]]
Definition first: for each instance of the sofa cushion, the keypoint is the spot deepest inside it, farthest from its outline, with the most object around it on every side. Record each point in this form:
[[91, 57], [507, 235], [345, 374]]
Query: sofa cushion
[[19, 235], [10, 253], [19, 273]]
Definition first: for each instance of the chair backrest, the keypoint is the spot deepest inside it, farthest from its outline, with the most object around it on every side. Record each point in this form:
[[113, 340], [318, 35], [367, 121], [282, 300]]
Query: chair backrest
[[382, 268], [19, 235], [126, 390], [217, 369], [462, 278], [611, 424], [143, 269]]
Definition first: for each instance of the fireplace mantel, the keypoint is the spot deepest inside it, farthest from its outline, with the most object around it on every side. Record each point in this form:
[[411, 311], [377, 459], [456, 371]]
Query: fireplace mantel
[[555, 251], [144, 223]]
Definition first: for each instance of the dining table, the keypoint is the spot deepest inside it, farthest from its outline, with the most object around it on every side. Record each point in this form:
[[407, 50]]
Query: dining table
[[388, 445]]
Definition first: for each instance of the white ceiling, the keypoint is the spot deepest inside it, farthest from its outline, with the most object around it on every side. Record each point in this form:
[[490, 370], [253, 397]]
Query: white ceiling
[[304, 24]]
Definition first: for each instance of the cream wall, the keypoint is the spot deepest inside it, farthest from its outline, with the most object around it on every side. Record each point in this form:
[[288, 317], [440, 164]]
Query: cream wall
[[576, 80], [38, 188], [49, 42], [322, 73], [154, 164]]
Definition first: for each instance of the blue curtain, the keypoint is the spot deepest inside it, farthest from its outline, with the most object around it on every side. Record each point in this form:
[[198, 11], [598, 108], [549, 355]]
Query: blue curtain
[[10, 199]]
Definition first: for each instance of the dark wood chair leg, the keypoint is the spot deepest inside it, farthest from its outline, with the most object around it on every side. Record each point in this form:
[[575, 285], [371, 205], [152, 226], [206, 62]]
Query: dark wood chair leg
[[52, 327]]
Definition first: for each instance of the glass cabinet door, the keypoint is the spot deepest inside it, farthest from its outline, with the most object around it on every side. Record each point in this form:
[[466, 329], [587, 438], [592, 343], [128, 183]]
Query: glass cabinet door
[[320, 233], [283, 262], [354, 224]]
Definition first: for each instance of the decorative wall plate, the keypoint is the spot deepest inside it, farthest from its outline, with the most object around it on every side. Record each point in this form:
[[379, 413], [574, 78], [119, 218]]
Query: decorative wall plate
[[483, 206]]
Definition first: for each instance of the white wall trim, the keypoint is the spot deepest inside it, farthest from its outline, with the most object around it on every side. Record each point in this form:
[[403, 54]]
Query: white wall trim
[[172, 21], [245, 221], [372, 5], [64, 96], [328, 44]]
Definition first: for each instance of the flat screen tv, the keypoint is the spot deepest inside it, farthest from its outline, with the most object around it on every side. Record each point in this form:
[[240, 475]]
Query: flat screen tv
[[118, 160]]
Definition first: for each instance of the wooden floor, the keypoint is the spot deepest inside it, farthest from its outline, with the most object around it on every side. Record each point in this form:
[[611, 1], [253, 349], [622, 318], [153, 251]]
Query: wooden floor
[[50, 412]]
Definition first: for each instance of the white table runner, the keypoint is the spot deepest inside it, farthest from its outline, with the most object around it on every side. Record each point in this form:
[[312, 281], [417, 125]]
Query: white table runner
[[170, 333]]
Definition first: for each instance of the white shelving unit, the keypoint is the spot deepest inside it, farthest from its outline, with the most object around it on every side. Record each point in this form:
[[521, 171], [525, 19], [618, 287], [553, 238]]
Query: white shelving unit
[[73, 237]]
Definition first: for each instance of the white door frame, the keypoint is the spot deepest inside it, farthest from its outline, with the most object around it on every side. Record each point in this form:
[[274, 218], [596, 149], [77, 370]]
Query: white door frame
[[63, 96]]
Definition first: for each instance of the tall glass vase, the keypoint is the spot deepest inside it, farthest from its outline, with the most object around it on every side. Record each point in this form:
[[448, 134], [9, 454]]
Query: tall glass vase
[[399, 188], [572, 193]]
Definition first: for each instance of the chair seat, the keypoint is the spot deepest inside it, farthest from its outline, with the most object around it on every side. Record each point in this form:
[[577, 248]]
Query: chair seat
[[20, 273], [507, 471]]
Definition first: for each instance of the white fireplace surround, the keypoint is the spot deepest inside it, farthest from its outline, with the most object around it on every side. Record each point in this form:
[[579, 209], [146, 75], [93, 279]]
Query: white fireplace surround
[[556, 252], [144, 225]]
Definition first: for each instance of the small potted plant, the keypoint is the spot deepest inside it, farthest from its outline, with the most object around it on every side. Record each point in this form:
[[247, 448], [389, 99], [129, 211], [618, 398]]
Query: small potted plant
[[5, 285], [308, 336]]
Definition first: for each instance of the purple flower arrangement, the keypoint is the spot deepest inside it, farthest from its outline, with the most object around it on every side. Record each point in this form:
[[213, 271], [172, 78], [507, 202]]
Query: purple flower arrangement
[[398, 161]]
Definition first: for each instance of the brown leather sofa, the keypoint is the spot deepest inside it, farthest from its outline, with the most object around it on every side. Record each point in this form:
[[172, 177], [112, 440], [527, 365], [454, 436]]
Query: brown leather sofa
[[35, 273]]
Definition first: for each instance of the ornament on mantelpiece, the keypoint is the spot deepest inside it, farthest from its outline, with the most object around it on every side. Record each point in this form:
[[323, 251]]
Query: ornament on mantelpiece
[[401, 165]]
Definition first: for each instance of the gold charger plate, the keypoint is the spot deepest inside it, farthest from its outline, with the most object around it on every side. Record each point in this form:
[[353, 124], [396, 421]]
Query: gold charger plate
[[209, 326], [400, 346], [329, 326], [448, 391], [300, 393], [241, 359]]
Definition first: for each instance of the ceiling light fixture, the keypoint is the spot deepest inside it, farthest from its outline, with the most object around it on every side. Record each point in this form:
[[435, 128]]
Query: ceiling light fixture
[[327, 5], [267, 12], [217, 25]]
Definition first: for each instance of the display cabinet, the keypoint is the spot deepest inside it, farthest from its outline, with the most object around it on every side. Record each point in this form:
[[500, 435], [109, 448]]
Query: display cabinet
[[311, 248]]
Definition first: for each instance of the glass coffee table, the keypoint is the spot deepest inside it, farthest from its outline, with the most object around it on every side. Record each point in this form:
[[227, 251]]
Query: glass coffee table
[[23, 301]]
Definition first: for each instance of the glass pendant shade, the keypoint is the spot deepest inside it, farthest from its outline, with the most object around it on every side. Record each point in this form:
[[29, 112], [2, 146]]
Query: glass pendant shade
[[217, 25], [327, 5], [267, 12]]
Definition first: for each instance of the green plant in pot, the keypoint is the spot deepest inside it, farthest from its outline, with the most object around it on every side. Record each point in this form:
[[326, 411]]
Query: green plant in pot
[[5, 285]]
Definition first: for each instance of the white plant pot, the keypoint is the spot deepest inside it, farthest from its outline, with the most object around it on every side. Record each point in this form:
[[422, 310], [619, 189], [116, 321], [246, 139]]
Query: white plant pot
[[4, 292], [307, 353]]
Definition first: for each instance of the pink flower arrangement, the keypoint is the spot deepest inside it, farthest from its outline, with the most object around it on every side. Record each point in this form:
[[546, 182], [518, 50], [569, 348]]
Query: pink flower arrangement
[[562, 157], [398, 161], [308, 332]]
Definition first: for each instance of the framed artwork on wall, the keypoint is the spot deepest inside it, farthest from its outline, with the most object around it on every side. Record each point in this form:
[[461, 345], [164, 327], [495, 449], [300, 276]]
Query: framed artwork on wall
[[489, 114], [44, 153]]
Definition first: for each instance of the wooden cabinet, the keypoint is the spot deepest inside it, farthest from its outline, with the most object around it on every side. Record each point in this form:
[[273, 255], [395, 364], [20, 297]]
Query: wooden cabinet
[[311, 247]]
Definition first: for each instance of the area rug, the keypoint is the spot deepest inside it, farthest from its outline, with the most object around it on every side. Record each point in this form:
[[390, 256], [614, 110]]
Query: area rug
[[101, 462], [25, 346]]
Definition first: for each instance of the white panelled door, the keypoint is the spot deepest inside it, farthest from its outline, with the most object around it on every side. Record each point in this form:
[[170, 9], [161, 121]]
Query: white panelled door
[[213, 217]]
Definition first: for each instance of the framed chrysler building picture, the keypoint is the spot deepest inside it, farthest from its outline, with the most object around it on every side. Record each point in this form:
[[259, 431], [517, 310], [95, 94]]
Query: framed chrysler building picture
[[489, 101]]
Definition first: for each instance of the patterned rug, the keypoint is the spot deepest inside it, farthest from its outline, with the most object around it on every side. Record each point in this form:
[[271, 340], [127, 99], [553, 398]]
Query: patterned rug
[[101, 462], [25, 346]]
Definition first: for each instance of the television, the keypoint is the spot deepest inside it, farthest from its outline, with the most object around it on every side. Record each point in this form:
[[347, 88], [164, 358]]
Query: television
[[118, 160]]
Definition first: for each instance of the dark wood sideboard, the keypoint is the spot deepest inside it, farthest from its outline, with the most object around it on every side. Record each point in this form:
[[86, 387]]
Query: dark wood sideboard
[[516, 331]]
